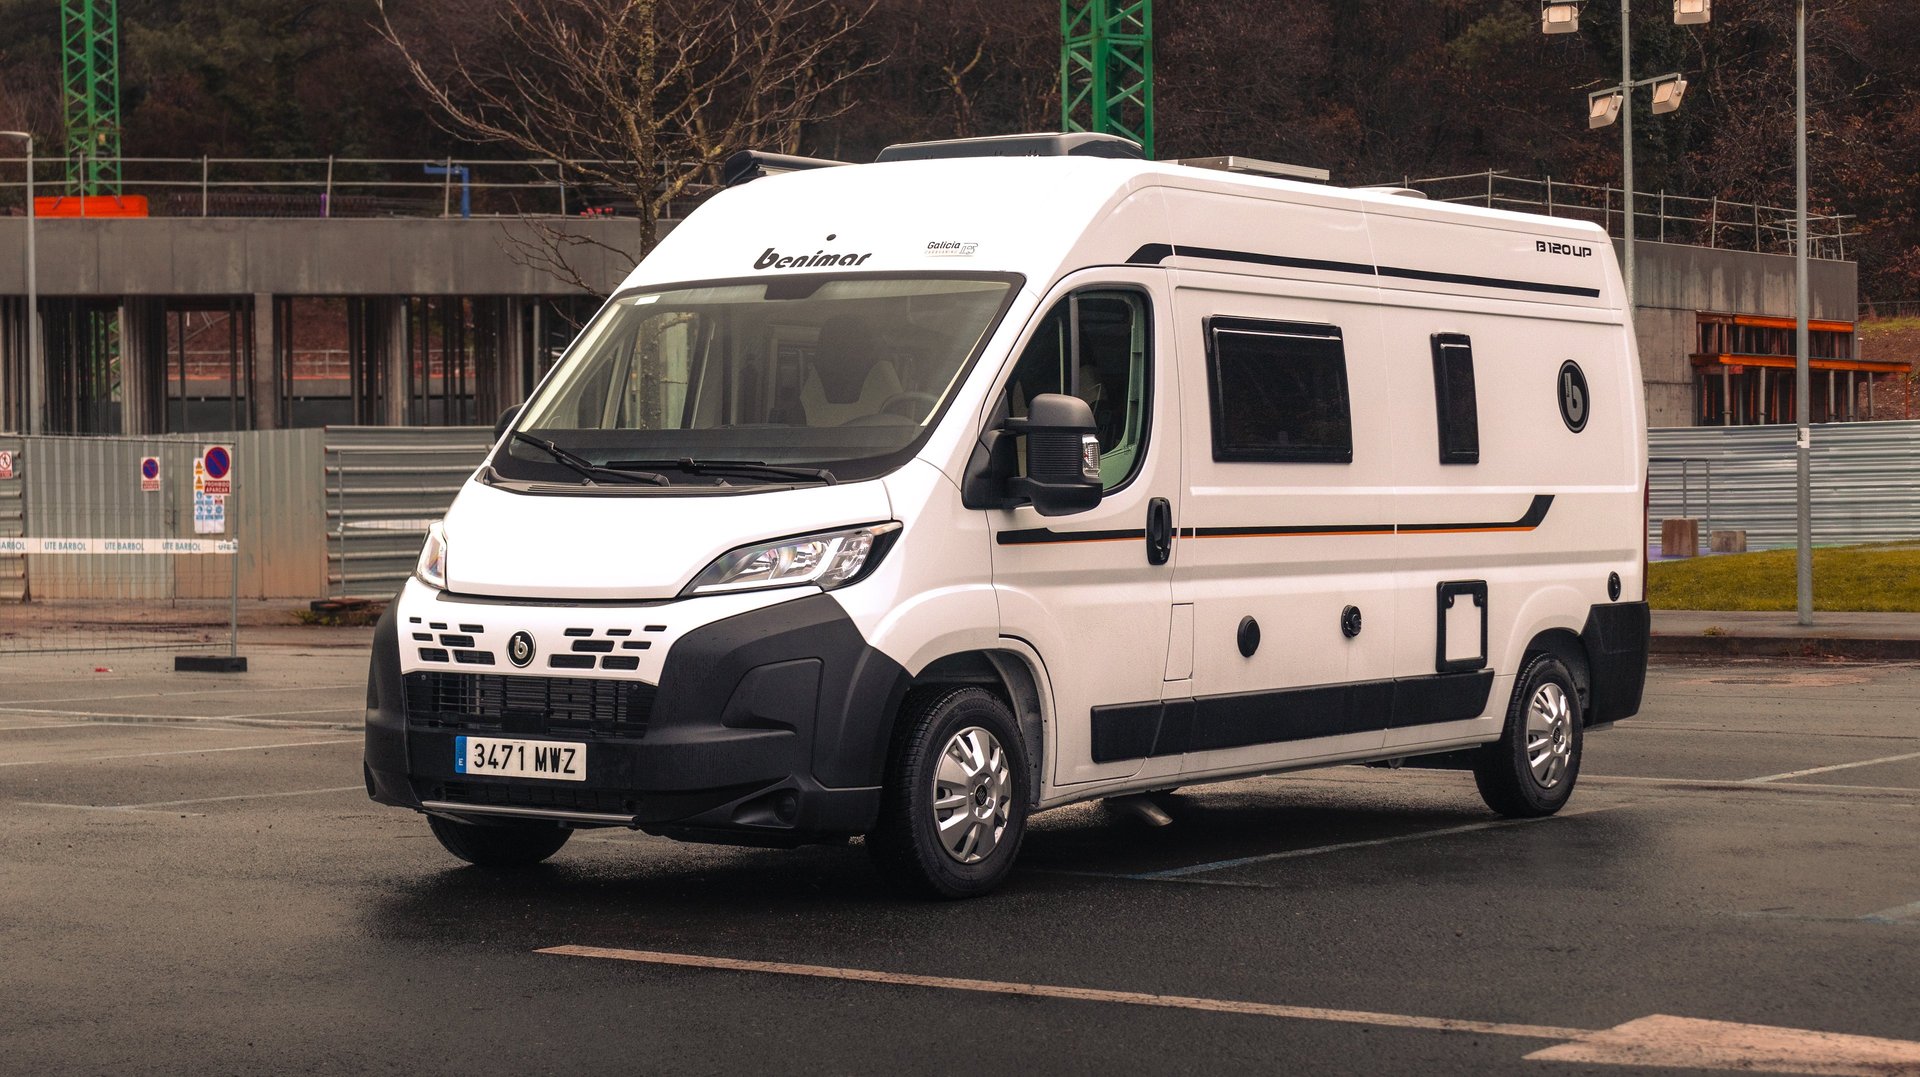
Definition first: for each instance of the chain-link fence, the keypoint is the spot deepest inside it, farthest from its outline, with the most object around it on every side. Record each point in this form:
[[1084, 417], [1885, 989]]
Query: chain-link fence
[[115, 544]]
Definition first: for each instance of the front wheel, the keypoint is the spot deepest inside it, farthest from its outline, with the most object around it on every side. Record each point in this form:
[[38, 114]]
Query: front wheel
[[504, 845], [954, 806], [1531, 769]]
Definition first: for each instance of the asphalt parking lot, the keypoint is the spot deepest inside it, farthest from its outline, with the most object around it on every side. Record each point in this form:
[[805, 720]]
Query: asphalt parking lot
[[193, 881]]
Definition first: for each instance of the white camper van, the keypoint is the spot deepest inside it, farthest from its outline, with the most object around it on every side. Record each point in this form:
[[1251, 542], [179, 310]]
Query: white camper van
[[907, 499]]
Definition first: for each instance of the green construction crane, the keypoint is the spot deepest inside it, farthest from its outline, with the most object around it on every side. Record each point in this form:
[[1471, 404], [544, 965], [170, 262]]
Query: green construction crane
[[90, 58], [1106, 68]]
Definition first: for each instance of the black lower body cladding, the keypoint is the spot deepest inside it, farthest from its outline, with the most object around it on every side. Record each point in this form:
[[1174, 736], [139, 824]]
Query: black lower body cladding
[[1616, 638], [769, 723]]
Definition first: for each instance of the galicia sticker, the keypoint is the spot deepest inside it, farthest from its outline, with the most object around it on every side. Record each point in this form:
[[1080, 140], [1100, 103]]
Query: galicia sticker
[[1573, 396], [950, 248]]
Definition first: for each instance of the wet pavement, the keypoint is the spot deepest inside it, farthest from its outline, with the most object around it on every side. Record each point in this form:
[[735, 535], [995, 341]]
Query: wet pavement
[[193, 881]]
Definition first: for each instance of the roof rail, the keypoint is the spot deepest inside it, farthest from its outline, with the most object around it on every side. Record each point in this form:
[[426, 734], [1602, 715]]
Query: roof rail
[[749, 165], [1041, 144], [1253, 166]]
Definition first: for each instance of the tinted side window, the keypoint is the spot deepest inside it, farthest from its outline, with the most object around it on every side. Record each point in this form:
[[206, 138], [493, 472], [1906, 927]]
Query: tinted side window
[[1279, 391], [1454, 399]]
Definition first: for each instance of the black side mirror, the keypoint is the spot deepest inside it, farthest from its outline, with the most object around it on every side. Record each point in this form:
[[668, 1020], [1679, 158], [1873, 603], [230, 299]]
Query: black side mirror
[[1063, 456], [506, 419]]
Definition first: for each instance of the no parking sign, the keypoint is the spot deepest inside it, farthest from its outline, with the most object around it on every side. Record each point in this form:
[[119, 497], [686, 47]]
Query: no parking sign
[[149, 474], [219, 470]]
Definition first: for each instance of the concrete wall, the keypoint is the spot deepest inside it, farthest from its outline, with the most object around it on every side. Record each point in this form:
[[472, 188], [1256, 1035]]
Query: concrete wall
[[1677, 282], [195, 256]]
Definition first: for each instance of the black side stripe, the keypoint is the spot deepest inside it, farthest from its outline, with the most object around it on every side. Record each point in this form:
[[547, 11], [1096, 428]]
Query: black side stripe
[[1034, 536], [1155, 253], [1535, 515]]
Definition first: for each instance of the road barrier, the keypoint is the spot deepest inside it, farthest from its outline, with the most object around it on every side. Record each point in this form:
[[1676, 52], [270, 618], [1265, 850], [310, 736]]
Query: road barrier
[[110, 544]]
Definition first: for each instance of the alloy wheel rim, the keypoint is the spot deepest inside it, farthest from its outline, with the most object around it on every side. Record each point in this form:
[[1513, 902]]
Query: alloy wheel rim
[[1549, 735], [972, 795]]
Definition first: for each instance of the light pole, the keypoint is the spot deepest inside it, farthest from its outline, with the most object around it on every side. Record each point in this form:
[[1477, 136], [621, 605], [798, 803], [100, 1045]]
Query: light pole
[[33, 296], [1563, 17], [1802, 379]]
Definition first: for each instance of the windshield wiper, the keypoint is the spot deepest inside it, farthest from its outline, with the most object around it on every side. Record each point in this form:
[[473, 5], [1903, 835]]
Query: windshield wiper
[[691, 466], [587, 468]]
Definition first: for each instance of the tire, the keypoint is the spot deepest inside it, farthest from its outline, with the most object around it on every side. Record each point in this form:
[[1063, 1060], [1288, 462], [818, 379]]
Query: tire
[[1531, 770], [505, 845], [958, 760]]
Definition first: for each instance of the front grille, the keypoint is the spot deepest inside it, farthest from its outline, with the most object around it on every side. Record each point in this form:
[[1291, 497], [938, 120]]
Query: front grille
[[564, 798], [561, 706]]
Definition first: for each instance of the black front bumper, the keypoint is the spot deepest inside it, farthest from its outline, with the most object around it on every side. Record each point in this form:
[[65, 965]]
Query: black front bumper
[[770, 726]]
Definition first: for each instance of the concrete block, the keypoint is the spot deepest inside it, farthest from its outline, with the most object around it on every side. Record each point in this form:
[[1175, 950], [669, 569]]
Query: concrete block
[[1679, 537]]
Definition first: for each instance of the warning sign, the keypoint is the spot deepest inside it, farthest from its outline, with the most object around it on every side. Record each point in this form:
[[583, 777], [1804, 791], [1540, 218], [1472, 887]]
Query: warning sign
[[209, 509], [6, 464], [150, 474], [218, 463]]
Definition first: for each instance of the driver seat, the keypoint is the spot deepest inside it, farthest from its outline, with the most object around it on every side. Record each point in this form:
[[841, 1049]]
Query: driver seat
[[847, 379]]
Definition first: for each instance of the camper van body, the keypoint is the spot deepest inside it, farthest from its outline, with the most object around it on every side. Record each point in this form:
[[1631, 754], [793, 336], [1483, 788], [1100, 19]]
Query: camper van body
[[1371, 586]]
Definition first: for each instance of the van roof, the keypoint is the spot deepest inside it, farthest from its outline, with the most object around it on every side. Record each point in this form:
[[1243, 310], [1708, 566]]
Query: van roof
[[1043, 216]]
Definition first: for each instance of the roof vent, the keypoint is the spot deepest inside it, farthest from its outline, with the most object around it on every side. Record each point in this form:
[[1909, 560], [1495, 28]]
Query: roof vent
[[1253, 166], [1398, 192], [1043, 144]]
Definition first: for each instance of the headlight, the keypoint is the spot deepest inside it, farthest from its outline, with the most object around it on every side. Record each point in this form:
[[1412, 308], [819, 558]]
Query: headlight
[[827, 560], [432, 568]]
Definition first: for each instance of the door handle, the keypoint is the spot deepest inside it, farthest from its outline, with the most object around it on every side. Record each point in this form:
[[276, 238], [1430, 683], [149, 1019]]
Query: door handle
[[1159, 531]]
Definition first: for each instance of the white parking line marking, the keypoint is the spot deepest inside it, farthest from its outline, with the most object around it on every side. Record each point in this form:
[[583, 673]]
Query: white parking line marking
[[1834, 767], [1292, 854], [1657, 1040], [157, 804], [169, 717], [1083, 994], [179, 751], [1904, 914], [31, 728], [205, 692]]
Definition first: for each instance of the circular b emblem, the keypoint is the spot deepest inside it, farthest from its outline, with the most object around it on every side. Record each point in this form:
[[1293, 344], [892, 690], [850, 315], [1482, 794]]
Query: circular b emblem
[[1572, 390], [520, 649]]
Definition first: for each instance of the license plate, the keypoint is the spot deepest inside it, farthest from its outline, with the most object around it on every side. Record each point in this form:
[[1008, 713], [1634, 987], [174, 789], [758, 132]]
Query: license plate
[[553, 760]]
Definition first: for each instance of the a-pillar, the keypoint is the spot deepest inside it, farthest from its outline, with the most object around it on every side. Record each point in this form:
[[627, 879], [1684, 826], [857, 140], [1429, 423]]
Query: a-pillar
[[263, 392]]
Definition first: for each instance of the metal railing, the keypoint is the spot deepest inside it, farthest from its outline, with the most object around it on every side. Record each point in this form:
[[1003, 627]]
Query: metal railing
[[384, 485], [1668, 218], [1866, 481], [344, 186]]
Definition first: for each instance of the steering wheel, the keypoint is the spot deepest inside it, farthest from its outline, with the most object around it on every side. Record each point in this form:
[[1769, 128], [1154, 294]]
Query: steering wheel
[[915, 406]]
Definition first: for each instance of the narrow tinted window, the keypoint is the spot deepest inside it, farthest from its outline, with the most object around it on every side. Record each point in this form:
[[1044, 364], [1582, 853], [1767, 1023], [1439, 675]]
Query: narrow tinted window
[[1279, 391], [1454, 400]]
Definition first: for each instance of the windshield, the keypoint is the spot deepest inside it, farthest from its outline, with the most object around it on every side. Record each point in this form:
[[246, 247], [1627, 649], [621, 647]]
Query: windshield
[[834, 373]]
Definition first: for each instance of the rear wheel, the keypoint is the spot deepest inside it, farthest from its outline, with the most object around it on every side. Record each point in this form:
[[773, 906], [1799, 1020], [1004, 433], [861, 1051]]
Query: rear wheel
[[1530, 771], [504, 845], [954, 807]]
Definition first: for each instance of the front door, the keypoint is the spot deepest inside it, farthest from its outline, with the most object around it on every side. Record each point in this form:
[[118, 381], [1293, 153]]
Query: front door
[[1092, 592]]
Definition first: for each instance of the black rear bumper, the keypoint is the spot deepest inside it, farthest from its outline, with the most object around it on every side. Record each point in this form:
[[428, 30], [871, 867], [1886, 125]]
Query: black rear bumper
[[770, 727], [1616, 636]]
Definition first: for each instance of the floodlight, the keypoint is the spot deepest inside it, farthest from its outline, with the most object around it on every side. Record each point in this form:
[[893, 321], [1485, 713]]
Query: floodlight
[[1692, 12], [1668, 92], [1559, 16], [1603, 108]]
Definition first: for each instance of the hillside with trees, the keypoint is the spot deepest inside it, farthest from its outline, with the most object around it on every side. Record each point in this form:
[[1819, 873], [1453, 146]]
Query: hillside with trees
[[1372, 89]]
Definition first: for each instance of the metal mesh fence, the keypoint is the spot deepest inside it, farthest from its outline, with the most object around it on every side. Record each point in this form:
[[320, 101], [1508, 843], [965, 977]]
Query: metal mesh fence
[[105, 545]]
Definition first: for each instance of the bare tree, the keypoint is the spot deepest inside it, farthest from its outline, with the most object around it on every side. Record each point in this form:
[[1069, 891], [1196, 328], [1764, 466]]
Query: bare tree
[[642, 98]]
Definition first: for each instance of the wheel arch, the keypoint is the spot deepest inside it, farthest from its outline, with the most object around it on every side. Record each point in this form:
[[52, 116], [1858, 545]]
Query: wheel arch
[[1011, 676], [1566, 645]]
